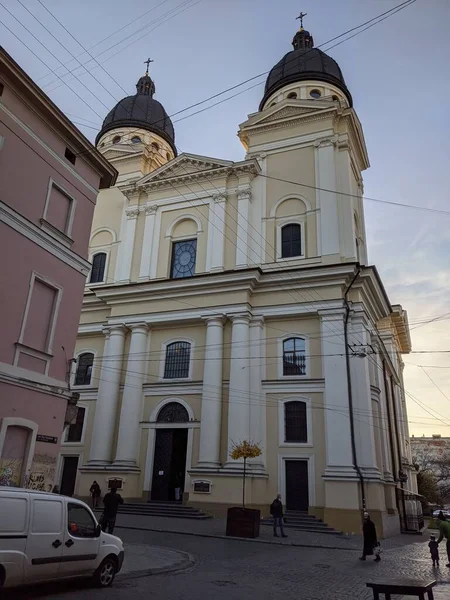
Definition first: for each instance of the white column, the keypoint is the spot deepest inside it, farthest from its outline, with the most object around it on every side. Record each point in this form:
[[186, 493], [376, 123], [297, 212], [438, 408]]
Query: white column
[[131, 412], [127, 244], [359, 338], [339, 461], [384, 426], [327, 200], [108, 396], [211, 415], [244, 196], [146, 256], [218, 234], [238, 397], [257, 396]]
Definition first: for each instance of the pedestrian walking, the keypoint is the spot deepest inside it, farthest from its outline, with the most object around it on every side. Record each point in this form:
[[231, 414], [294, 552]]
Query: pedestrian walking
[[370, 539], [434, 550], [95, 492], [276, 510], [111, 502], [444, 532]]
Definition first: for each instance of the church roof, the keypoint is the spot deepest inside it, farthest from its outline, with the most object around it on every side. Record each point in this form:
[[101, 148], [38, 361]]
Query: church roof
[[304, 63], [141, 111]]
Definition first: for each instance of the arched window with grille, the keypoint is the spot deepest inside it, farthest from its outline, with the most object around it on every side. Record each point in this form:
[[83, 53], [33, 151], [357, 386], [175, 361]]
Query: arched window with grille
[[83, 373], [173, 412], [295, 422], [294, 356], [98, 268], [178, 355], [291, 240]]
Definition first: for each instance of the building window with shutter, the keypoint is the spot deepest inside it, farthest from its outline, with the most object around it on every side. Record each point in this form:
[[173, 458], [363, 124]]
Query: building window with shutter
[[35, 344], [58, 213], [177, 363], [98, 268], [83, 374]]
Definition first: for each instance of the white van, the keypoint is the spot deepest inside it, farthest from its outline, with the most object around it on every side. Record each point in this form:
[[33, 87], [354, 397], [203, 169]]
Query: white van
[[45, 536]]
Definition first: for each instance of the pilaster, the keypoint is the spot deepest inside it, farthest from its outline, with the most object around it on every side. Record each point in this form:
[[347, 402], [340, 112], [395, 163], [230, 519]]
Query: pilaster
[[147, 244]]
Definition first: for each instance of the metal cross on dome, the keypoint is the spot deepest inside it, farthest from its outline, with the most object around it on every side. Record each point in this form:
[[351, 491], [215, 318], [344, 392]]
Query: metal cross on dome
[[301, 16], [147, 62]]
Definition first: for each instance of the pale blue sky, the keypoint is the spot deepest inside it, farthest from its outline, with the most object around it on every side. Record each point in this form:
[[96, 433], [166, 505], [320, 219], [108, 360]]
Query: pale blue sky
[[397, 71]]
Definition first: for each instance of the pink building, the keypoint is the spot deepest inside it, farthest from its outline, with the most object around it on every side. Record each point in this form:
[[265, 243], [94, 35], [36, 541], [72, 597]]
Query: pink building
[[50, 175]]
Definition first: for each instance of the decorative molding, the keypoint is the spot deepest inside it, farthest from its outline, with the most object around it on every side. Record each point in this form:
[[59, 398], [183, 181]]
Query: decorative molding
[[133, 212], [327, 141], [245, 193], [220, 197], [150, 210]]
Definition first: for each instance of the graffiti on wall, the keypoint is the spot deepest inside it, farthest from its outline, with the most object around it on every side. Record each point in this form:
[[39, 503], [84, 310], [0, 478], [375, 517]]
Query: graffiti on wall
[[10, 471], [42, 473]]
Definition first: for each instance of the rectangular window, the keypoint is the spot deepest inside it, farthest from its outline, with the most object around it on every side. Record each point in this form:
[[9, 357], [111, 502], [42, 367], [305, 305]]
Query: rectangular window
[[58, 210], [178, 356], [184, 255], [80, 522], [71, 157], [295, 422], [75, 431], [41, 312]]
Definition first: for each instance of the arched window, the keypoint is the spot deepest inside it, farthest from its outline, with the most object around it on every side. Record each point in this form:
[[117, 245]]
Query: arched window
[[136, 139], [116, 139], [295, 422], [174, 412], [84, 369], [98, 268], [292, 96], [291, 240], [178, 356], [294, 359], [155, 146]]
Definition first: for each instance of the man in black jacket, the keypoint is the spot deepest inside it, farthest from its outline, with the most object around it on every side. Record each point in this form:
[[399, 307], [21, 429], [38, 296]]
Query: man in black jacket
[[276, 510], [111, 503]]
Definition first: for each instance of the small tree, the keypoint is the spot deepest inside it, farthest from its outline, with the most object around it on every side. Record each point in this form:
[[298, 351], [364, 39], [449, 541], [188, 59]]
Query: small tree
[[245, 450], [428, 487]]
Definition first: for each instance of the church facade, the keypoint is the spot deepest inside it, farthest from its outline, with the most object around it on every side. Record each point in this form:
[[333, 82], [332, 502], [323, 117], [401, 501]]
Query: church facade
[[233, 301]]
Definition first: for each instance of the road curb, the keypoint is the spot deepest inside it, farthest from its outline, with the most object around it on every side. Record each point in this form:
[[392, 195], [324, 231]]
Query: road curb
[[187, 561], [238, 539]]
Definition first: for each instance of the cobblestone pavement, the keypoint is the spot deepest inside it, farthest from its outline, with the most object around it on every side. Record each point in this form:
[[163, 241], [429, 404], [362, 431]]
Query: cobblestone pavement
[[217, 527], [228, 569]]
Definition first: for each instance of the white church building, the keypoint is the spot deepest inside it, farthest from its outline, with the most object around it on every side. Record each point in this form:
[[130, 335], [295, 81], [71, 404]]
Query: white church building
[[233, 301]]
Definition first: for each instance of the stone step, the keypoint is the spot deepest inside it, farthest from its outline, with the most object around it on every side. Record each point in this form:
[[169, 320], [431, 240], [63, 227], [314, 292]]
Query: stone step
[[167, 510]]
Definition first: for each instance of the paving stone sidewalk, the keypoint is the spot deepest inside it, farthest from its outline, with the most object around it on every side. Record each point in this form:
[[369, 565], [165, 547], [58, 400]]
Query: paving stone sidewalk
[[217, 527], [141, 559]]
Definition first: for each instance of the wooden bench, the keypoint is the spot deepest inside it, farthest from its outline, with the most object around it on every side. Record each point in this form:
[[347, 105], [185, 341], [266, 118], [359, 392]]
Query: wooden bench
[[409, 587]]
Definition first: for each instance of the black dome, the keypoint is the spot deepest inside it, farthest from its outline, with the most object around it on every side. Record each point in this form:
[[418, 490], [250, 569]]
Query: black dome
[[302, 63], [141, 111]]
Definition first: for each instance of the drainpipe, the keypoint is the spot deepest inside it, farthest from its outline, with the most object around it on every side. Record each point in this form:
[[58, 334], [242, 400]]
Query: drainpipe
[[349, 386]]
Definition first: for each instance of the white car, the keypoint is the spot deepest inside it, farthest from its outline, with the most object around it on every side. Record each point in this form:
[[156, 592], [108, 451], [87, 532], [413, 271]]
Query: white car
[[444, 511], [46, 536]]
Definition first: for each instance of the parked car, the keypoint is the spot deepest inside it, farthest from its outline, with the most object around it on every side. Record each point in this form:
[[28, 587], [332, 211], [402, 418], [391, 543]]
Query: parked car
[[46, 536], [445, 512]]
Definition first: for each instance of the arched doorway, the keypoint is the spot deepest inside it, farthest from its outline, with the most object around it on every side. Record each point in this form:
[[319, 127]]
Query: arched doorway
[[169, 464]]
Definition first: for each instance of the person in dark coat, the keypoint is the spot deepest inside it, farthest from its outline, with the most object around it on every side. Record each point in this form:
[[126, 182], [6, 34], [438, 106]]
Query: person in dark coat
[[111, 502], [276, 510], [370, 538], [95, 492]]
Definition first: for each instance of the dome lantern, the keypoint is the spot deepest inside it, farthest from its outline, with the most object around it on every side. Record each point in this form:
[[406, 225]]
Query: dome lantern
[[141, 111], [304, 63]]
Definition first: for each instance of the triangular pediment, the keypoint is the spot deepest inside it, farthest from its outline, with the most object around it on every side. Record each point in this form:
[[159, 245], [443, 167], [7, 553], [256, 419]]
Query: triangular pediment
[[289, 109], [185, 165]]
